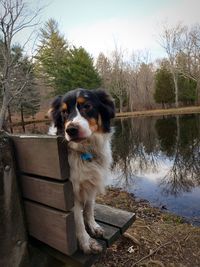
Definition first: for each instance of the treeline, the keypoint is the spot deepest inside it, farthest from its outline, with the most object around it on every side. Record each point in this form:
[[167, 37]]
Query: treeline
[[135, 82]]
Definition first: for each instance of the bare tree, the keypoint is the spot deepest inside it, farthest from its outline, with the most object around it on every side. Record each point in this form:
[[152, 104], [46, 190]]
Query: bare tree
[[171, 41], [130, 81], [118, 77], [133, 80], [14, 18], [140, 81], [113, 74], [188, 60]]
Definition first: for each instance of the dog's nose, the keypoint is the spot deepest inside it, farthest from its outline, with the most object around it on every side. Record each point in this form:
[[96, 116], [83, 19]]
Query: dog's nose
[[72, 131]]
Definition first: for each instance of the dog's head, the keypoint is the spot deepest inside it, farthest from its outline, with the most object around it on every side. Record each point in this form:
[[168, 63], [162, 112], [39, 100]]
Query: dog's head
[[80, 113]]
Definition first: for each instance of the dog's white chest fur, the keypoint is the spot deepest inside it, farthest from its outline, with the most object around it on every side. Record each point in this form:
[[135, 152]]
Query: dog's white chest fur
[[88, 176]]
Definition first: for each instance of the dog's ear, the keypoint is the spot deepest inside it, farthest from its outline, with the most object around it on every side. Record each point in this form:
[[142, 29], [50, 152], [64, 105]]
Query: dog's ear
[[106, 108], [55, 114]]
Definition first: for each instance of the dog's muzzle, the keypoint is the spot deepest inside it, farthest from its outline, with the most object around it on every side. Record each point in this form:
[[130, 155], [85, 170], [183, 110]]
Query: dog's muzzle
[[73, 131]]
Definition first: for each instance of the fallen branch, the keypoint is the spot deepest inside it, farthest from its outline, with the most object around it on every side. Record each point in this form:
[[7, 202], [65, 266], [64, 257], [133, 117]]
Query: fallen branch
[[151, 253], [158, 248], [132, 238]]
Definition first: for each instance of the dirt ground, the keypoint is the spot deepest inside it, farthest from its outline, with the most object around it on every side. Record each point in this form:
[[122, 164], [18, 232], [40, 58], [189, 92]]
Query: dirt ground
[[156, 238]]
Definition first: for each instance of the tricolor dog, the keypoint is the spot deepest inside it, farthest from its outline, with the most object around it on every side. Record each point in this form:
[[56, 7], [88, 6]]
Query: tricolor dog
[[83, 117]]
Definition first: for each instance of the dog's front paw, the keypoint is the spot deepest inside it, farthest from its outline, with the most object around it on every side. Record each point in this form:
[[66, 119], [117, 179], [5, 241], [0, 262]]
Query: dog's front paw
[[91, 247], [96, 230]]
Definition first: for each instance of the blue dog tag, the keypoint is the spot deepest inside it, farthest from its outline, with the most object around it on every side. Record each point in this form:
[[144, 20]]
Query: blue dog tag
[[86, 156]]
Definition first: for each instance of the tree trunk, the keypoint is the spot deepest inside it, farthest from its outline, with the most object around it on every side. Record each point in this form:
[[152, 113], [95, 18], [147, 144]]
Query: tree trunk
[[176, 88], [3, 109], [22, 118], [10, 119], [120, 105], [2, 117]]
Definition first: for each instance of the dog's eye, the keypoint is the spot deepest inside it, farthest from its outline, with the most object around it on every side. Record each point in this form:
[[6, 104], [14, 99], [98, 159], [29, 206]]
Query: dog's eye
[[64, 113], [87, 106]]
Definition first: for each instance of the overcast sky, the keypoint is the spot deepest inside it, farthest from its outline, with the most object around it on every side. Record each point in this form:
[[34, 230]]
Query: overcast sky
[[98, 25]]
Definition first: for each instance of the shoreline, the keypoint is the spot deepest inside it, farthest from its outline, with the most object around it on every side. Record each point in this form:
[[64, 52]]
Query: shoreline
[[156, 238], [142, 113], [160, 112]]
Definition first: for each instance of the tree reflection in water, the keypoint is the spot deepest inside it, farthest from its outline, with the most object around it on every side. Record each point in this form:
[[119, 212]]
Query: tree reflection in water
[[141, 145], [185, 171]]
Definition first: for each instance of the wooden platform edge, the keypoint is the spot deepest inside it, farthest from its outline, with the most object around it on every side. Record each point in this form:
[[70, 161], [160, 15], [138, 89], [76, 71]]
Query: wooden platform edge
[[114, 217]]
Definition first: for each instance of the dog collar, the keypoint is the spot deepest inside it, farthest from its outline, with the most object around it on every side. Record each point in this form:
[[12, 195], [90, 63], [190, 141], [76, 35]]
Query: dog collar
[[87, 156]]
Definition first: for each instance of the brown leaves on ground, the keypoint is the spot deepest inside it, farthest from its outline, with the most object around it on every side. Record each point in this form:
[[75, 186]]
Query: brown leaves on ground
[[155, 239]]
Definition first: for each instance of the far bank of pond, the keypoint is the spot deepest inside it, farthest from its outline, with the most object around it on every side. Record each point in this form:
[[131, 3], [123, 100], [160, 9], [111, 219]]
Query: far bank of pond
[[160, 112]]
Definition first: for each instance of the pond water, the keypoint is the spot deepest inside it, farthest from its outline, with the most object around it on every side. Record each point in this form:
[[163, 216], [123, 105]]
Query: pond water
[[157, 159]]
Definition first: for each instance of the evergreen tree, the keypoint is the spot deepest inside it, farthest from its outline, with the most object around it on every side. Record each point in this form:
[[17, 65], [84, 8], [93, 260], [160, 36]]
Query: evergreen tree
[[64, 68], [187, 90], [164, 87], [52, 56], [82, 71], [28, 101]]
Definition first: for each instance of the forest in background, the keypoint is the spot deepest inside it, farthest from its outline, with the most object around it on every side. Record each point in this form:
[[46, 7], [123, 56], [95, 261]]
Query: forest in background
[[28, 83]]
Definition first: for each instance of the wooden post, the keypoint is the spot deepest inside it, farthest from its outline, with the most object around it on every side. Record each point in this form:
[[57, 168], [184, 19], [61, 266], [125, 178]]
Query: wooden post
[[13, 239]]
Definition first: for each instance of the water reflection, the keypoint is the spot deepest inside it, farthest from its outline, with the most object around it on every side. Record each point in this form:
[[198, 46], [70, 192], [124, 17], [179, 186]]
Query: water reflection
[[185, 153], [159, 152]]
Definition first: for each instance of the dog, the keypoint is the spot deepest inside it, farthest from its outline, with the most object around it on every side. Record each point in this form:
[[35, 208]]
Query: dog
[[83, 118]]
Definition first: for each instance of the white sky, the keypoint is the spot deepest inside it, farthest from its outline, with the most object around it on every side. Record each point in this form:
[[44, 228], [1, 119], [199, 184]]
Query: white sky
[[98, 25]]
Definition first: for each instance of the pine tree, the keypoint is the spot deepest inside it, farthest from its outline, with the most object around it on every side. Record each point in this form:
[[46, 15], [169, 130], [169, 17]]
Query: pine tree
[[164, 87], [187, 90], [26, 102], [82, 71], [52, 56], [63, 67]]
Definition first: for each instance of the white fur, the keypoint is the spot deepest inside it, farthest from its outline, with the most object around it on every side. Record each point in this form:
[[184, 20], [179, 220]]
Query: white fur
[[52, 130], [88, 179], [84, 128]]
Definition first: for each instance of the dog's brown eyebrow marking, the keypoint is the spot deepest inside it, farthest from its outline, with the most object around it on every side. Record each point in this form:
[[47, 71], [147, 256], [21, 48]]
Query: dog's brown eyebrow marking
[[64, 106], [81, 100]]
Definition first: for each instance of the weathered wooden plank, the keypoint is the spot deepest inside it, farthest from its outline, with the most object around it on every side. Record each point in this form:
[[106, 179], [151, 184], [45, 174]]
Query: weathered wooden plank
[[111, 233], [51, 193], [53, 227], [13, 239], [42, 155], [115, 217]]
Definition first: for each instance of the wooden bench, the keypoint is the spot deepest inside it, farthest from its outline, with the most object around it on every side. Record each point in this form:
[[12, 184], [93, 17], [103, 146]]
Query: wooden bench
[[43, 174]]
